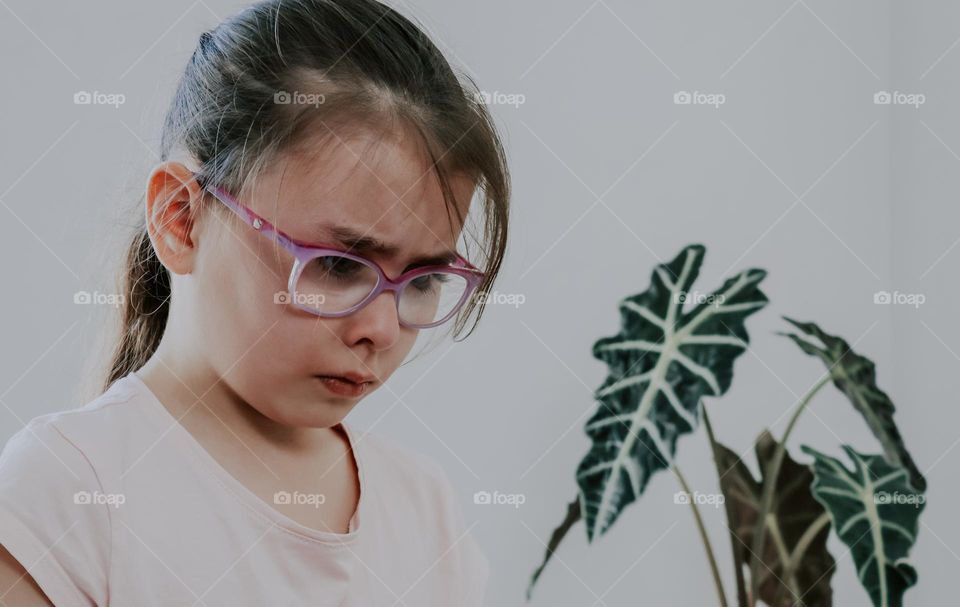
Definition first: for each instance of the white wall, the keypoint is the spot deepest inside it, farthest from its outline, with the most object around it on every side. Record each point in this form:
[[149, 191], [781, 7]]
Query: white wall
[[798, 172]]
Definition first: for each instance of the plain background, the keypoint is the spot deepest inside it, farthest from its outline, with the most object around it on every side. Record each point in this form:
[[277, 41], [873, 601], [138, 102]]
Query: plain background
[[798, 172]]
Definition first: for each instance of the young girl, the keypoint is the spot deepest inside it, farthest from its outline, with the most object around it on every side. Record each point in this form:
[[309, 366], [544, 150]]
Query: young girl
[[318, 163]]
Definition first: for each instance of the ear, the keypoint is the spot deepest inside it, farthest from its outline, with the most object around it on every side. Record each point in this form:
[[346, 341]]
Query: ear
[[173, 203]]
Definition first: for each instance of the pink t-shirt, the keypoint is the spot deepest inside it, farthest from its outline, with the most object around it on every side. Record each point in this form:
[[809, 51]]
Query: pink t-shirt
[[117, 504]]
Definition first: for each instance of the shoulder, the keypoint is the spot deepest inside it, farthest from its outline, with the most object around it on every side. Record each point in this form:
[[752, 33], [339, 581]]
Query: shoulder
[[87, 439], [65, 450], [40, 450], [56, 443], [67, 458], [54, 507]]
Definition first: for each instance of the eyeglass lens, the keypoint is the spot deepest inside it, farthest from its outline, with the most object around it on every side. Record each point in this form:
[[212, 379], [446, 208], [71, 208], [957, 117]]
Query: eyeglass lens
[[331, 284]]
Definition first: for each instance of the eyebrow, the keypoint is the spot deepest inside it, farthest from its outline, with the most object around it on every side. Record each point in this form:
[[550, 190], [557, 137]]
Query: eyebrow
[[365, 245]]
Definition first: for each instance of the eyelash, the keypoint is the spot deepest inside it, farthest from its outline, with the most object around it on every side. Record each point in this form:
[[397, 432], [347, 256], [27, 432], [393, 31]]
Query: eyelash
[[350, 265]]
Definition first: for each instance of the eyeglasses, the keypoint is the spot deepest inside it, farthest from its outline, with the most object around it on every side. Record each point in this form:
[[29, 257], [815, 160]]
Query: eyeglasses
[[330, 282]]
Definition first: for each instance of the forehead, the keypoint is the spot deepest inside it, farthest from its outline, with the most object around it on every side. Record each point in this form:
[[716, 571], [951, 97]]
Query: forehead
[[380, 187]]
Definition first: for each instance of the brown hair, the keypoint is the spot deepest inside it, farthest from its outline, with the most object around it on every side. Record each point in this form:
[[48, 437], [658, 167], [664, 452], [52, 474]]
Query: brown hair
[[372, 66]]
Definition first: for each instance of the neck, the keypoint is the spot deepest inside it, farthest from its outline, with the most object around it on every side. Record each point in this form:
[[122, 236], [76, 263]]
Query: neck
[[210, 409]]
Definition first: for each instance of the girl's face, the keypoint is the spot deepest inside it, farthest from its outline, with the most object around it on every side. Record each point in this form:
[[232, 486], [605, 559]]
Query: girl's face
[[271, 353]]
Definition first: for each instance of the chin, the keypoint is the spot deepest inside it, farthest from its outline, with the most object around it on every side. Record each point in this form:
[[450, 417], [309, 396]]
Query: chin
[[320, 417], [312, 415], [310, 408]]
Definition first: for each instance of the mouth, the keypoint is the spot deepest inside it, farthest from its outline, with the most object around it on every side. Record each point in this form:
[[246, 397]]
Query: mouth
[[350, 384]]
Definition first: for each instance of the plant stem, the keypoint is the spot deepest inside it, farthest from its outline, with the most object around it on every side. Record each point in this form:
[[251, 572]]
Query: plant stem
[[769, 487], [792, 564], [807, 538], [728, 508], [721, 594], [786, 581]]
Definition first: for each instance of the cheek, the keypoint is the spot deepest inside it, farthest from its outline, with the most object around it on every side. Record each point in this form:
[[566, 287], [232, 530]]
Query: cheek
[[246, 332], [250, 330], [236, 302]]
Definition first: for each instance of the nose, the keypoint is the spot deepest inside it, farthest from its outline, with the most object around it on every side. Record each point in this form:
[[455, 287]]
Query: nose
[[377, 322]]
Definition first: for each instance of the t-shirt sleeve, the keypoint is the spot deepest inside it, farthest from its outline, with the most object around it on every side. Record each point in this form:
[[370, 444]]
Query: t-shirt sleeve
[[54, 515], [472, 566]]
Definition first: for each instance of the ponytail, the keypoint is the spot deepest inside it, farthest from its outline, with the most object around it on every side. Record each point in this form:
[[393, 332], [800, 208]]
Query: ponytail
[[146, 304]]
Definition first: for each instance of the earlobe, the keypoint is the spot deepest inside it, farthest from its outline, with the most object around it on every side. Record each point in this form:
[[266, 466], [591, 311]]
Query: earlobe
[[172, 203]]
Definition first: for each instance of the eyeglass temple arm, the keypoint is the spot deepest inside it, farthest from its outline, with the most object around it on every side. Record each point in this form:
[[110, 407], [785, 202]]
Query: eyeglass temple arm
[[464, 264], [248, 216], [262, 225]]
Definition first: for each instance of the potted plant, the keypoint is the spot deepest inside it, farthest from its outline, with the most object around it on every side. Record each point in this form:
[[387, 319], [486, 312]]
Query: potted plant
[[670, 355]]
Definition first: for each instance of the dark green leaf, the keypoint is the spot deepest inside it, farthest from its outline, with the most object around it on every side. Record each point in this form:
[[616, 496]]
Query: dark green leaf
[[573, 515], [856, 377], [875, 511], [661, 363]]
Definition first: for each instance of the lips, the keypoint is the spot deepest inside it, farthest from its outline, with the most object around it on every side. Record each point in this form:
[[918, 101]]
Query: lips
[[349, 376], [342, 385]]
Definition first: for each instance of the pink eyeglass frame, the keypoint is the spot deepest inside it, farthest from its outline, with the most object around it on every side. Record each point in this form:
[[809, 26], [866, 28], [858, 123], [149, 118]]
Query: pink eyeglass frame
[[305, 252]]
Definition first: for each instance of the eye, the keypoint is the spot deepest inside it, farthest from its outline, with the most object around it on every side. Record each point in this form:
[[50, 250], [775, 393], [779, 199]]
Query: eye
[[429, 282], [339, 267]]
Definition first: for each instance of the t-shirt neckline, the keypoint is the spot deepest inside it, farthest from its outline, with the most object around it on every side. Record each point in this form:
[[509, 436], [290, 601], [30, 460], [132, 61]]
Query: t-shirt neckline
[[243, 494]]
